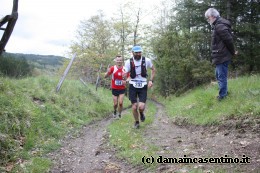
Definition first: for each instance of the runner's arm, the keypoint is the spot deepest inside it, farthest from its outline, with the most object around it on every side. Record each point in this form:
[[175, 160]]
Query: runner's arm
[[152, 73], [150, 83], [109, 72], [126, 73]]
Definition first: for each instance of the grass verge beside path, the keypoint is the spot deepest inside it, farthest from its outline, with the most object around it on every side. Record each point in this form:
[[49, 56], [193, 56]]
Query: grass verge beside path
[[201, 107], [129, 141], [34, 117]]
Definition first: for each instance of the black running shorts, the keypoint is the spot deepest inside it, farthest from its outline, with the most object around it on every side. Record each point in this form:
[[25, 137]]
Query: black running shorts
[[135, 93], [117, 92]]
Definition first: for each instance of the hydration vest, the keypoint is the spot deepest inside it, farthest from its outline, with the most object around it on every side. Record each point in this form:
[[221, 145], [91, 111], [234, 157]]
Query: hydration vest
[[143, 68]]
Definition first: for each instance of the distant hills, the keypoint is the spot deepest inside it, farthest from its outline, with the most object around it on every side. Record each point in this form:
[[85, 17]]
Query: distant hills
[[42, 60], [42, 64]]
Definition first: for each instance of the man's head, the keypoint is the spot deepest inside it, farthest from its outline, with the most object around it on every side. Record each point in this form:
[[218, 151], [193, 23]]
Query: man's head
[[119, 60], [211, 14], [137, 52]]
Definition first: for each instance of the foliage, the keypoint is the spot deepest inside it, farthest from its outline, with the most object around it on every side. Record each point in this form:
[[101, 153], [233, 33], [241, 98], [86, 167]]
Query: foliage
[[182, 47], [12, 67], [34, 117], [179, 66], [93, 47], [99, 40]]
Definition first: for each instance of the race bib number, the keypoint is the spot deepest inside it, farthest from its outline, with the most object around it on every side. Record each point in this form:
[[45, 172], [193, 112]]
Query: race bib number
[[139, 84], [118, 82]]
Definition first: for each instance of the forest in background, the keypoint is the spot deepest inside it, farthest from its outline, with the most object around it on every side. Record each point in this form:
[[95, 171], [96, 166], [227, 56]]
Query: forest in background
[[178, 40]]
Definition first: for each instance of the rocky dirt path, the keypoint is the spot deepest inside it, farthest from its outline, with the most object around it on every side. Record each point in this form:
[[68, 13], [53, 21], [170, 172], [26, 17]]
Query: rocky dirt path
[[86, 153], [81, 154], [90, 152]]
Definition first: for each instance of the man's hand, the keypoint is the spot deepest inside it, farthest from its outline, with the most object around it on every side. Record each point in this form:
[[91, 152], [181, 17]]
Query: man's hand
[[236, 52], [124, 75], [124, 82], [150, 84]]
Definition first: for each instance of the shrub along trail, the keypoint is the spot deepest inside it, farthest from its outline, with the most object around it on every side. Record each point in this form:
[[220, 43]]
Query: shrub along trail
[[91, 152]]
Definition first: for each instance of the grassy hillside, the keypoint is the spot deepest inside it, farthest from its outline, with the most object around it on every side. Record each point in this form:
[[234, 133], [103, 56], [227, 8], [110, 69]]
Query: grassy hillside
[[34, 117], [200, 106]]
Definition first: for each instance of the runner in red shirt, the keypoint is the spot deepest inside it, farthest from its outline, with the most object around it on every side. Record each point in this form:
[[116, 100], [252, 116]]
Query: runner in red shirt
[[118, 85]]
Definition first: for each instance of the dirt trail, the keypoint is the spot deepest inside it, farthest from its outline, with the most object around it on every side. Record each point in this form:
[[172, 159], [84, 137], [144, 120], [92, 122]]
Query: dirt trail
[[82, 154], [90, 151], [202, 142]]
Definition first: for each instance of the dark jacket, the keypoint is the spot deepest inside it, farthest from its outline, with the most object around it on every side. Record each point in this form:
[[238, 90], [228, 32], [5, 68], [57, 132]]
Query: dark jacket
[[222, 46]]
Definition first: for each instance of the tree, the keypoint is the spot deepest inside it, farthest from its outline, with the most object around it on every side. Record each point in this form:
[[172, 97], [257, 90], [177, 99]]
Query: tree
[[131, 26], [177, 63], [182, 50], [123, 28], [245, 18], [94, 46]]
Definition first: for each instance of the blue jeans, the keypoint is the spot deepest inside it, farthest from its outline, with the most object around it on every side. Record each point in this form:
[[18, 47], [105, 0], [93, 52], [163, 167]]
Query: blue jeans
[[221, 76]]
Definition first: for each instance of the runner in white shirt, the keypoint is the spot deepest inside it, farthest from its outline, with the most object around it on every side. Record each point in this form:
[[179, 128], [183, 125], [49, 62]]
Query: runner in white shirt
[[138, 84]]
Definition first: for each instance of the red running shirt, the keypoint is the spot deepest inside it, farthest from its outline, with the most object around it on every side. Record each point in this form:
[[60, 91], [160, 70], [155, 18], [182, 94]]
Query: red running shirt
[[117, 77]]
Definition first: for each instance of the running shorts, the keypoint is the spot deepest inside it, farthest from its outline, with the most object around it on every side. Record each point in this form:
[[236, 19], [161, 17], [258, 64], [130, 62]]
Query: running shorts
[[117, 92], [135, 93]]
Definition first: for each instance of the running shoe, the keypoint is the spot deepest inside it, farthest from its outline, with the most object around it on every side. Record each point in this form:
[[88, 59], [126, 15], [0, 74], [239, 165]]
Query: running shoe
[[114, 114], [142, 117], [136, 125]]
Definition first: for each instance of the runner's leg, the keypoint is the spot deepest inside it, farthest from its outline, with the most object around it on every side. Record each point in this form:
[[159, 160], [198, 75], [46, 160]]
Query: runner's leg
[[142, 100], [121, 99], [115, 100], [135, 112], [133, 98]]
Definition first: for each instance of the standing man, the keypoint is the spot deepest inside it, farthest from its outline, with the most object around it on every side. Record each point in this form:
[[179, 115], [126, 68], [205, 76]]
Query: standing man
[[138, 83], [222, 48], [117, 85]]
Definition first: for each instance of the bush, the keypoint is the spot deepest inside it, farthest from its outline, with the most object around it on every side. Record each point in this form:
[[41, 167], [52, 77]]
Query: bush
[[13, 67]]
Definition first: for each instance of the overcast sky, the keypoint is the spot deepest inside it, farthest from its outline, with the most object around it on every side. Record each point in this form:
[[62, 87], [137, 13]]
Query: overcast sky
[[47, 27]]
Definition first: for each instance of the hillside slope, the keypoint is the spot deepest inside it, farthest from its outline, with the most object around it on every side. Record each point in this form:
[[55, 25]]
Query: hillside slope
[[34, 118]]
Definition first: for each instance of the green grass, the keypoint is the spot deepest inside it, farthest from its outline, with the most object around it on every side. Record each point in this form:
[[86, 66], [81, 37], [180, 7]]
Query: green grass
[[129, 142], [37, 164], [201, 107], [34, 117]]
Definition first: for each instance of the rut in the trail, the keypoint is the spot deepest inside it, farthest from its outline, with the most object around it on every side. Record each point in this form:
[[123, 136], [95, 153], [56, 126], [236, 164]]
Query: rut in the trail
[[202, 142]]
